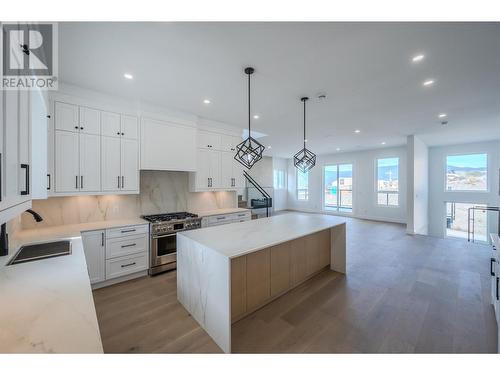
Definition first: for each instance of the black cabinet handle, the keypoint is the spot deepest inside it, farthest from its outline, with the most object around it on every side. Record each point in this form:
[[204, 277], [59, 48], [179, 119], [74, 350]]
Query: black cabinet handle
[[128, 265], [128, 230], [81, 182], [0, 177], [76, 127], [26, 168], [492, 260], [498, 278], [49, 182], [76, 182], [123, 182], [129, 245], [81, 127], [118, 133], [118, 182], [102, 239]]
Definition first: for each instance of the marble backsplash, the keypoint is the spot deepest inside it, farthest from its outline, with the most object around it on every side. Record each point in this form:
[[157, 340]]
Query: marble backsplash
[[161, 192]]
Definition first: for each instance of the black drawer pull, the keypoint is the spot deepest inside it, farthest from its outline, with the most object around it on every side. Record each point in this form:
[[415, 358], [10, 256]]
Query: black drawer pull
[[49, 182], [221, 218], [128, 265], [492, 261], [128, 230], [498, 278], [26, 168], [129, 245]]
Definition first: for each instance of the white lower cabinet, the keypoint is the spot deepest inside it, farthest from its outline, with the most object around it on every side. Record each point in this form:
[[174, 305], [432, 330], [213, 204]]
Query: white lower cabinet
[[235, 217], [116, 252], [94, 248]]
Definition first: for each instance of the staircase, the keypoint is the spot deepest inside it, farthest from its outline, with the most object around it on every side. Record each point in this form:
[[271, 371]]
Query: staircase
[[257, 198]]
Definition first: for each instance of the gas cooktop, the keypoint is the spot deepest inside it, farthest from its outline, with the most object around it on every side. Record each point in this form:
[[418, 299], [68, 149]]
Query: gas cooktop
[[169, 217]]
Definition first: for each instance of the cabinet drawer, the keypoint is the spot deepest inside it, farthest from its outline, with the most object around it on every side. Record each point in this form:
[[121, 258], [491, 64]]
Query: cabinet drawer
[[219, 219], [126, 265], [127, 231], [241, 216], [117, 247]]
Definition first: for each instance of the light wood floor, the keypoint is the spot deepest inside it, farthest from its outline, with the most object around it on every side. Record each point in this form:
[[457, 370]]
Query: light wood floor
[[402, 294]]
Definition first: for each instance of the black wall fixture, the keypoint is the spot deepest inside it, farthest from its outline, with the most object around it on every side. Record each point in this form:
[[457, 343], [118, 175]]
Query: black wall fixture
[[250, 150], [305, 159]]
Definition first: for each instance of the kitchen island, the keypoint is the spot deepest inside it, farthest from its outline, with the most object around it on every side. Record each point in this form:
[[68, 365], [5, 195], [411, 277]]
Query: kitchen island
[[225, 273]]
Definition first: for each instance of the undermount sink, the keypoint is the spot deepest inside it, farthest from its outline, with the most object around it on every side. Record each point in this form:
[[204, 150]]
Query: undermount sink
[[29, 253]]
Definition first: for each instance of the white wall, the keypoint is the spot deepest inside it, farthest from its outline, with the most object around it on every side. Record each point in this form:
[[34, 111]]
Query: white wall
[[280, 195], [364, 184], [418, 186], [438, 196]]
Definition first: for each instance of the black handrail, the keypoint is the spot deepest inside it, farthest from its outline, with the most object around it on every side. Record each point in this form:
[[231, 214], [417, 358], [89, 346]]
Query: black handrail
[[261, 190]]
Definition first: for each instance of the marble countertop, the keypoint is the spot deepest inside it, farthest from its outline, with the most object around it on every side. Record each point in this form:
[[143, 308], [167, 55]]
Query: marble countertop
[[47, 305], [220, 211], [237, 239]]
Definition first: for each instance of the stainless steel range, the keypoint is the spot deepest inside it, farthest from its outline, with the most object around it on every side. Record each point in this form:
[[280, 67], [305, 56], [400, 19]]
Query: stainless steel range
[[163, 236]]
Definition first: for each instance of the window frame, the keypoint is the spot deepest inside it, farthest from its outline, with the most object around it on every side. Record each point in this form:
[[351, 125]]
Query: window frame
[[445, 173], [297, 187], [336, 211], [387, 192]]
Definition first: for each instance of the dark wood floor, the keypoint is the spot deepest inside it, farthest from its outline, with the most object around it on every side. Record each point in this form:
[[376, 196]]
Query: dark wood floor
[[402, 294]]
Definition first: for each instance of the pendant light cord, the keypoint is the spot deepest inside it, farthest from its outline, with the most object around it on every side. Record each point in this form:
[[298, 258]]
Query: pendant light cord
[[304, 124], [249, 135]]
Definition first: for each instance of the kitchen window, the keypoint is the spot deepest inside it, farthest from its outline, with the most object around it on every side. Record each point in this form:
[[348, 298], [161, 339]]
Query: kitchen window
[[467, 172], [388, 182], [302, 186], [337, 194]]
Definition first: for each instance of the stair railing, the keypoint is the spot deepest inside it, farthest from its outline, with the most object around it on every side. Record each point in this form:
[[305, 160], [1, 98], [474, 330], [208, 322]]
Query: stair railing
[[260, 189]]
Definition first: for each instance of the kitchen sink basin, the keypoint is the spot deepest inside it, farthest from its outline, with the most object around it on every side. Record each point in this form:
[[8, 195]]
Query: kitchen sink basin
[[29, 253]]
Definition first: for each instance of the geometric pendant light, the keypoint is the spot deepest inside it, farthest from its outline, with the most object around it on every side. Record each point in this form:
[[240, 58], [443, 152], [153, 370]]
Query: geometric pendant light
[[250, 150], [304, 159]]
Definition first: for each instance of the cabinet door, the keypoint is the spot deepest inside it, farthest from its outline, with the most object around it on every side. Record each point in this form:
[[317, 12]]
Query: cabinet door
[[93, 246], [209, 140], [10, 156], [258, 278], [229, 142], [66, 117], [280, 268], [90, 162], [25, 171], [238, 175], [90, 121], [130, 127], [110, 124], [298, 261], [129, 165], [214, 158], [227, 180], [202, 169], [67, 162], [110, 163]]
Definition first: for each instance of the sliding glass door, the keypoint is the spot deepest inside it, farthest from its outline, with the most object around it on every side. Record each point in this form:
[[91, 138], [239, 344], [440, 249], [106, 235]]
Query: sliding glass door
[[337, 187]]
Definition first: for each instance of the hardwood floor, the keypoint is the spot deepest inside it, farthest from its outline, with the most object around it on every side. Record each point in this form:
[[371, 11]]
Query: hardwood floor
[[402, 294]]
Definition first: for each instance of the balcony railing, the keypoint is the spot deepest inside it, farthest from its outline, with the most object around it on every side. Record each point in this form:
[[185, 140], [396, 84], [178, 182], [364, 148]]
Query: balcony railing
[[344, 202], [388, 198]]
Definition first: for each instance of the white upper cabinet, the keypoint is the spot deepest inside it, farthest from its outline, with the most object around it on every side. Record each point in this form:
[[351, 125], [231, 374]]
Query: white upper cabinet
[[67, 162], [229, 142], [129, 127], [93, 151], [90, 121], [110, 124], [167, 146], [129, 165], [90, 163], [216, 168], [208, 140], [111, 163], [66, 116]]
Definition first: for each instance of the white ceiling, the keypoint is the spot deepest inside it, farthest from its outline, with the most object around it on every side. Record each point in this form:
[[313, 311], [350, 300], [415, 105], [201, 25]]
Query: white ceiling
[[364, 68]]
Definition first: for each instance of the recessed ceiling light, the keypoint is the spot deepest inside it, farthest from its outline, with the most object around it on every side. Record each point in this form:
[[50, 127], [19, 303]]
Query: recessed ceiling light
[[428, 82], [128, 76], [206, 101], [256, 117], [269, 147], [442, 115], [338, 148], [357, 131], [305, 140], [417, 58], [383, 143]]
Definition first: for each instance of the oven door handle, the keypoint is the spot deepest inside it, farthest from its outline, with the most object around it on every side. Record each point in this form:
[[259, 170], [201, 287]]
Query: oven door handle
[[163, 236]]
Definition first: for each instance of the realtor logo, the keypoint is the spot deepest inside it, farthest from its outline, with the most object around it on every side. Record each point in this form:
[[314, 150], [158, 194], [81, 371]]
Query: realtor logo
[[29, 58]]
